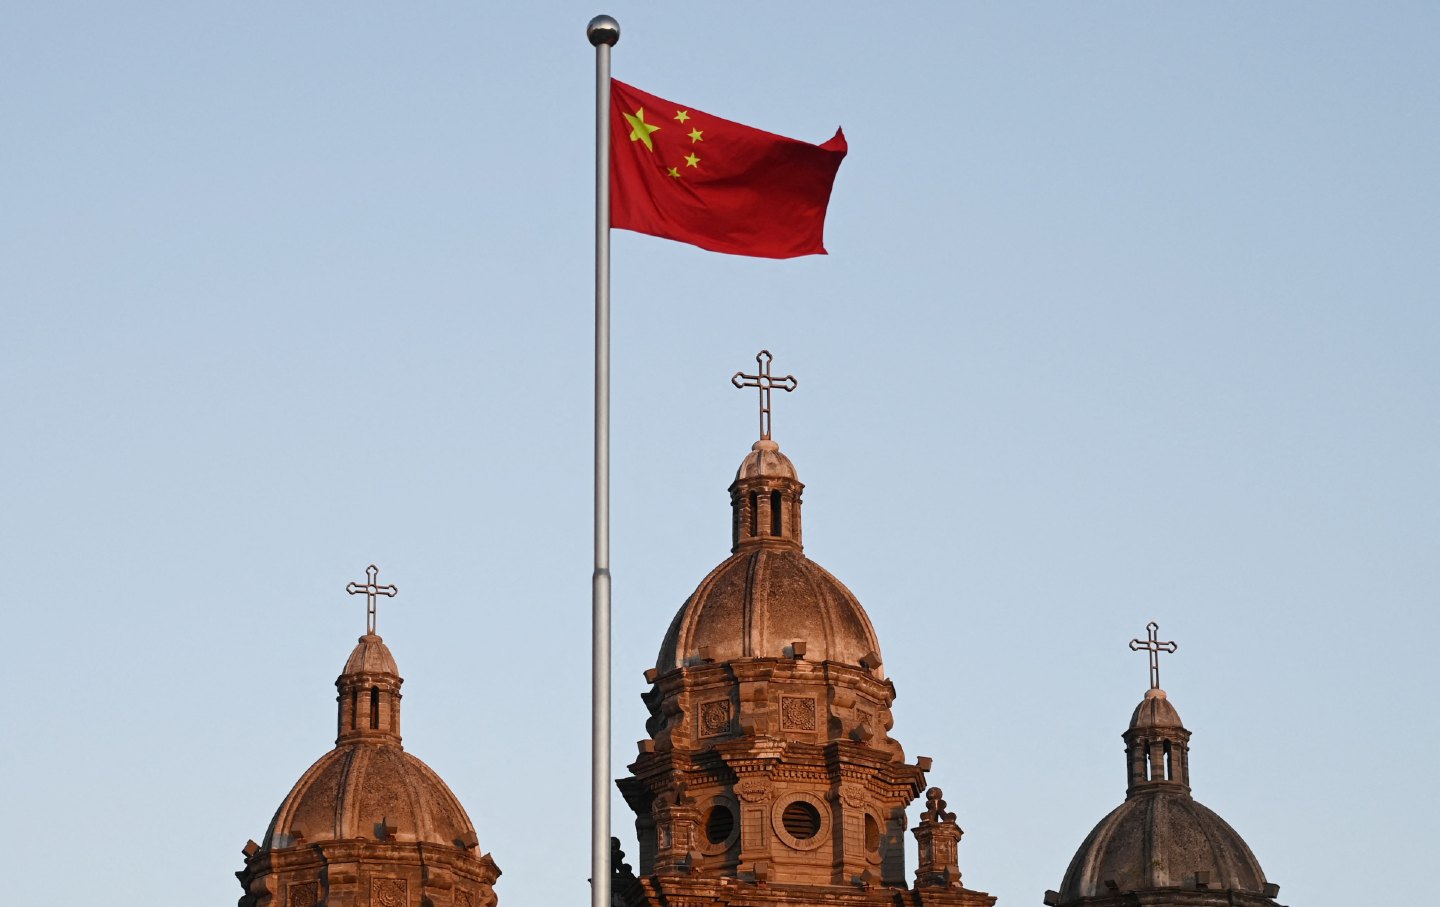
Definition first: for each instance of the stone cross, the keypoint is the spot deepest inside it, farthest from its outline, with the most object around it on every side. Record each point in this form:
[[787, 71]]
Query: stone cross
[[1153, 645], [370, 588], [765, 383]]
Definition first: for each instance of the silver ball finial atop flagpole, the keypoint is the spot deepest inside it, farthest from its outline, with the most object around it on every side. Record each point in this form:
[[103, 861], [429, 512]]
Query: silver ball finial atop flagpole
[[603, 30]]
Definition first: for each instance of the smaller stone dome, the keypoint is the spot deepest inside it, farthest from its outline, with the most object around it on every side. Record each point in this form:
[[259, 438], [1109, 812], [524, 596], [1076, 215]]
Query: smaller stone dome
[[765, 461], [354, 791], [1161, 840], [1155, 711], [371, 656]]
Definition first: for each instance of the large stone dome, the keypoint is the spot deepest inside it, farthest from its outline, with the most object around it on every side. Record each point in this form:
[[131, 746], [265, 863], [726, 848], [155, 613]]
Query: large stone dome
[[1156, 840], [758, 603], [768, 595], [356, 790]]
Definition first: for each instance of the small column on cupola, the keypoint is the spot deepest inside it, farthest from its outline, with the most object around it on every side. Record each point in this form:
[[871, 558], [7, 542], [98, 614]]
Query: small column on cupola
[[765, 496], [368, 689], [1157, 746]]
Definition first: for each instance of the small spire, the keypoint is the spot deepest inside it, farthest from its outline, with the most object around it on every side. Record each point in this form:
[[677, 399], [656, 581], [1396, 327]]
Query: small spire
[[1157, 746], [370, 588], [369, 686], [765, 383], [1153, 645]]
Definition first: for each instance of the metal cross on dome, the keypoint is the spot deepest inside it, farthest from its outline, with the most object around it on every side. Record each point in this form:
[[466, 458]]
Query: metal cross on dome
[[763, 380], [1154, 646], [370, 588]]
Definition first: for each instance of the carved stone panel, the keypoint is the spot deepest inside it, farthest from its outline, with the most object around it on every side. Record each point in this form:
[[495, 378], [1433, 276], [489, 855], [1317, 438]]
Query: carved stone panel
[[715, 718], [797, 713], [852, 795], [302, 894], [389, 893]]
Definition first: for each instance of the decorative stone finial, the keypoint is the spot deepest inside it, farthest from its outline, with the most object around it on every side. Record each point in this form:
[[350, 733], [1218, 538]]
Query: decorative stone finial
[[938, 838], [935, 808]]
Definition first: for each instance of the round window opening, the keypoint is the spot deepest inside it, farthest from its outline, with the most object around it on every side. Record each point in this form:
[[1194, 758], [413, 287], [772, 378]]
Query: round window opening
[[872, 834], [719, 824], [801, 820]]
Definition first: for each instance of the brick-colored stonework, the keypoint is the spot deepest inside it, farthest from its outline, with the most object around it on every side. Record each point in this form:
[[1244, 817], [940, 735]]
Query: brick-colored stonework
[[769, 776], [369, 825]]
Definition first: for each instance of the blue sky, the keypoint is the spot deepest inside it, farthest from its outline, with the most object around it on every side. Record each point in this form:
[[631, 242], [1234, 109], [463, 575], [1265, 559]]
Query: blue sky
[[1130, 314]]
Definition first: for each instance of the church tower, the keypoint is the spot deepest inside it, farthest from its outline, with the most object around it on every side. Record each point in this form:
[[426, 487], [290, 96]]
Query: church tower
[[1161, 848], [369, 825], [768, 775]]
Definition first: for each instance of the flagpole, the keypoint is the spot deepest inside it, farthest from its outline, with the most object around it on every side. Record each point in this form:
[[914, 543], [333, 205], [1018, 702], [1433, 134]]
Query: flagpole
[[603, 32]]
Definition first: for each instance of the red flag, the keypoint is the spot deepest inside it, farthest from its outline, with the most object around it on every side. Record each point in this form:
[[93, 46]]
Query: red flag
[[682, 174]]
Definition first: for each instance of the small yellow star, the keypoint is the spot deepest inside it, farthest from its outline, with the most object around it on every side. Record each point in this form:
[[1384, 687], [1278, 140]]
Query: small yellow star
[[696, 136], [692, 161], [674, 171], [682, 115], [639, 129]]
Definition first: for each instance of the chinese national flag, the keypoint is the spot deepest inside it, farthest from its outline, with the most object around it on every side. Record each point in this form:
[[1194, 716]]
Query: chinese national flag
[[682, 174]]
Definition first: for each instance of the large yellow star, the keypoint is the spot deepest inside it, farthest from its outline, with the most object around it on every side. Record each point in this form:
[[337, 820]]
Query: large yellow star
[[692, 161], [696, 136], [682, 115], [639, 129]]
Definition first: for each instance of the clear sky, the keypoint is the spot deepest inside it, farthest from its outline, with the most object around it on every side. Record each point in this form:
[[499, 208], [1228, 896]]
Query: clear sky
[[1130, 314]]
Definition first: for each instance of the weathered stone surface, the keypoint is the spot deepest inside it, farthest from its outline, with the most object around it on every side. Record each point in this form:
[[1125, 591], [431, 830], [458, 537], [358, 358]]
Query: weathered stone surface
[[369, 825], [353, 787], [1161, 847], [758, 603], [769, 776]]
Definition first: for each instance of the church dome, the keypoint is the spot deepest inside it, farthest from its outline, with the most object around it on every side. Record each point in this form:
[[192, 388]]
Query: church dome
[[357, 790], [368, 823], [759, 602], [368, 785], [1161, 840], [768, 596]]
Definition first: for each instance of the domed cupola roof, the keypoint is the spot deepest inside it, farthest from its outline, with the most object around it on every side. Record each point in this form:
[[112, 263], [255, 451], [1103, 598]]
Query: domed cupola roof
[[368, 781], [371, 656], [1155, 711], [356, 790], [368, 820], [765, 461], [1161, 841], [768, 596]]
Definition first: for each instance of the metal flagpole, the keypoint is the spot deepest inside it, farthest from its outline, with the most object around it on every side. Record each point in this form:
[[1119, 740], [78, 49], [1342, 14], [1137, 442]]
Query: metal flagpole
[[603, 32]]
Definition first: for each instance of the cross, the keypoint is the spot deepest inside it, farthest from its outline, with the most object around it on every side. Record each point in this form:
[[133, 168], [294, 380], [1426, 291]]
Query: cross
[[370, 589], [765, 383], [1154, 646]]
